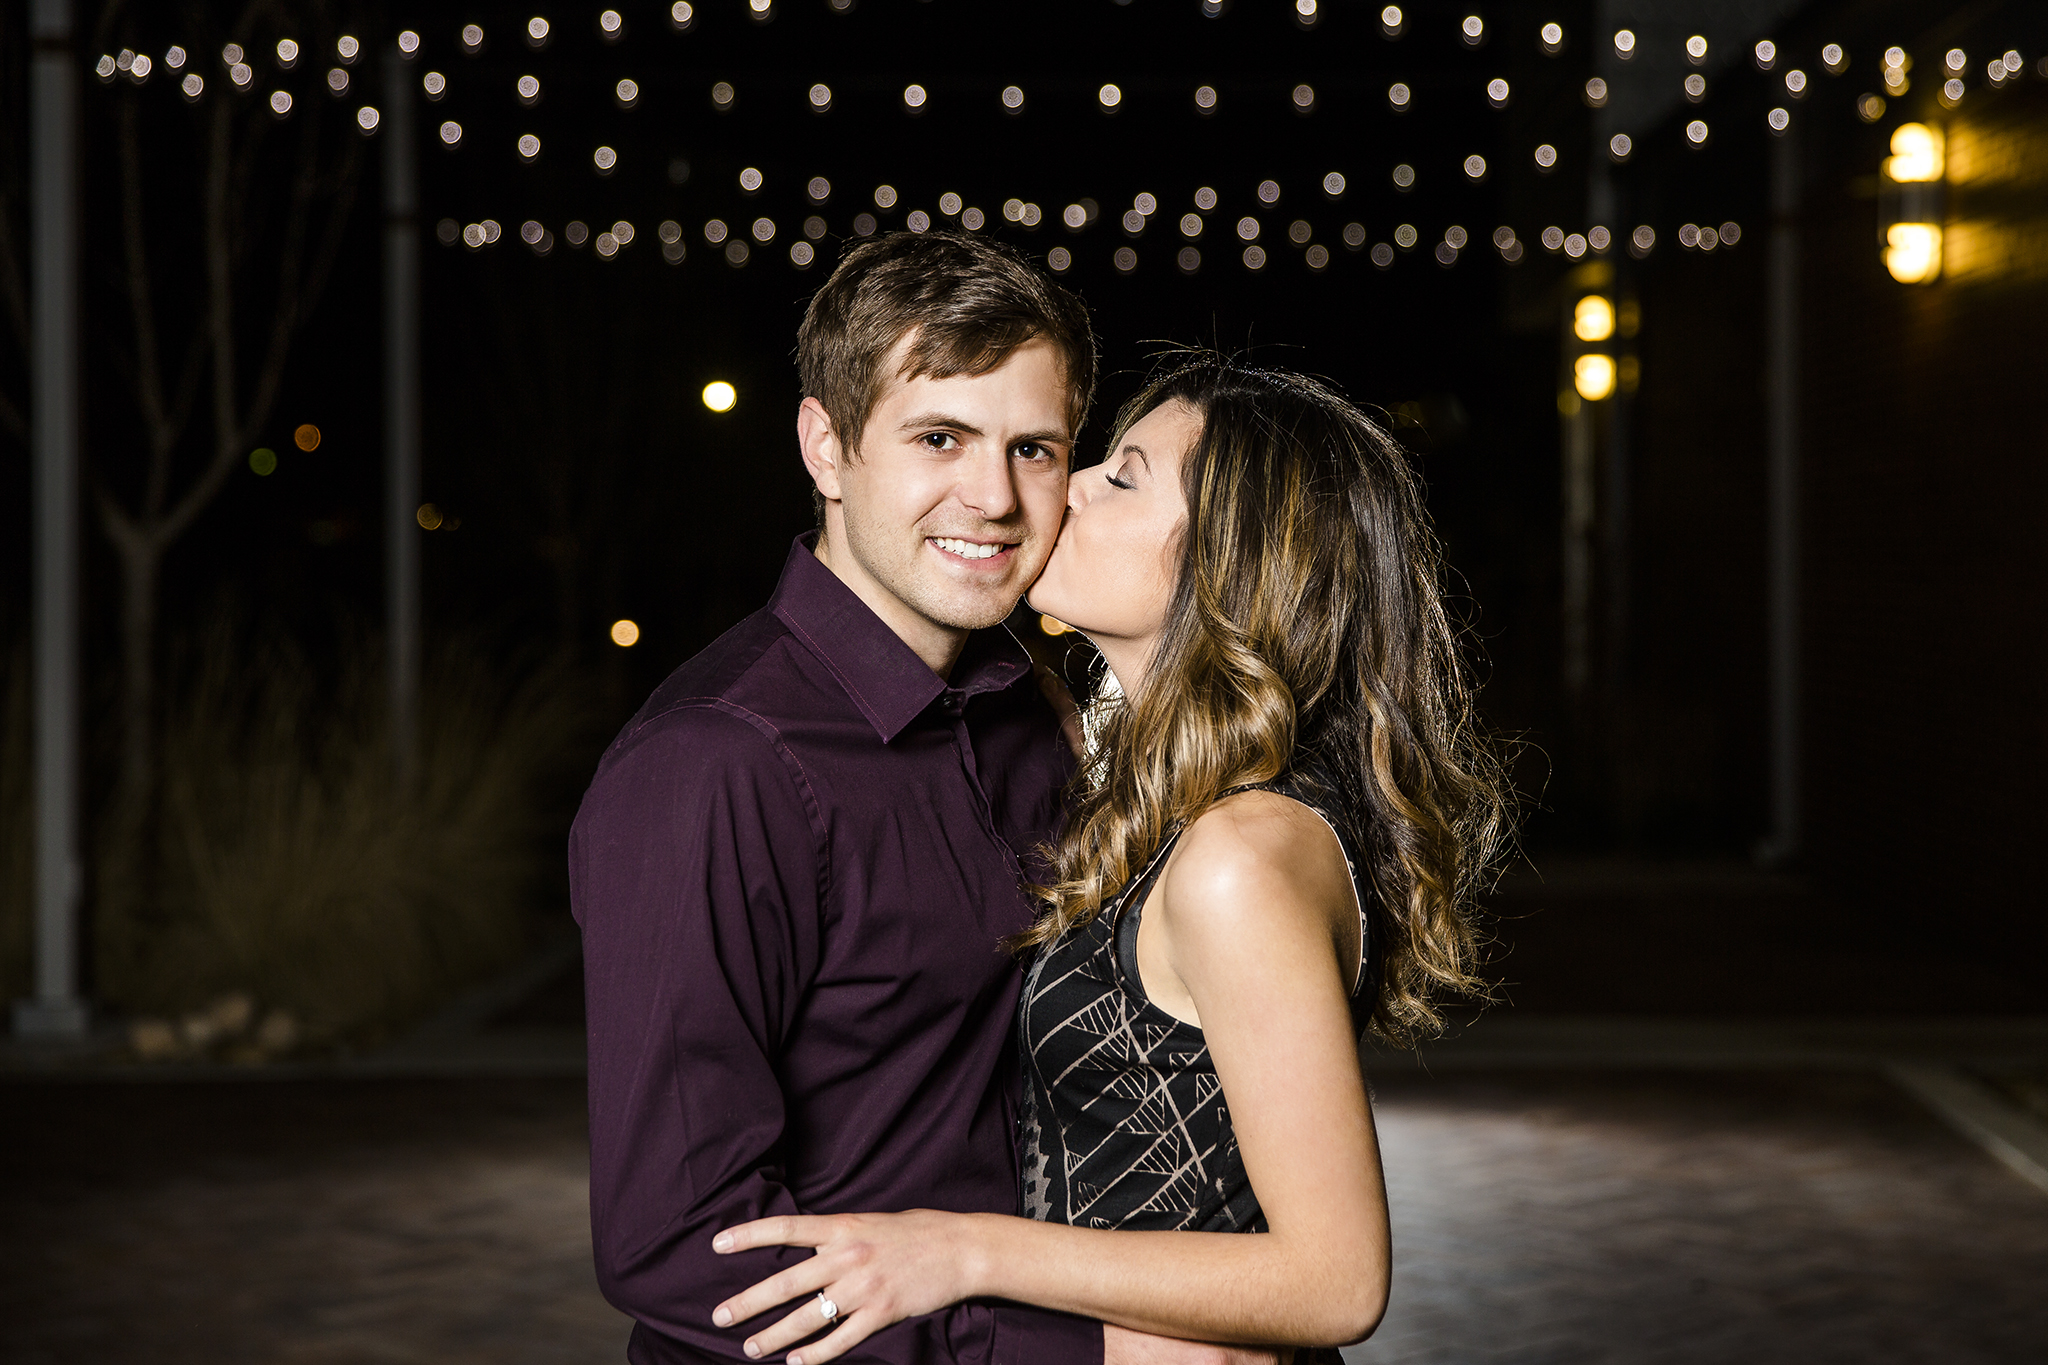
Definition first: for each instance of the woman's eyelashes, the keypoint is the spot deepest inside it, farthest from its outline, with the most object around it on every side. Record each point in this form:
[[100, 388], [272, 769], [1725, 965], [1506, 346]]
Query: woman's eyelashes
[[1116, 480]]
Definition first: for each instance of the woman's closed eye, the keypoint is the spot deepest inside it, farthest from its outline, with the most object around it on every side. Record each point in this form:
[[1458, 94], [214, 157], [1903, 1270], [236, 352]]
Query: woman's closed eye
[[1117, 480]]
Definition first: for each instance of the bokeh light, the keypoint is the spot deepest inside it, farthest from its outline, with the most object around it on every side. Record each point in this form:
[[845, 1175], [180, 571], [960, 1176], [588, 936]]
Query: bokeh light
[[307, 437], [1917, 154], [625, 633], [1593, 376], [720, 396], [263, 461], [1593, 318], [1912, 252]]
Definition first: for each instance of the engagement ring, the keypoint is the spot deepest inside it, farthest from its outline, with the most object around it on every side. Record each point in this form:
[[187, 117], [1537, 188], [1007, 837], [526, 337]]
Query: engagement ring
[[827, 1307]]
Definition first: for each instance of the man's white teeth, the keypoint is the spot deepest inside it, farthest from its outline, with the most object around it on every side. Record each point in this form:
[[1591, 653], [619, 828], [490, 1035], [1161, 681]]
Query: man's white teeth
[[967, 549]]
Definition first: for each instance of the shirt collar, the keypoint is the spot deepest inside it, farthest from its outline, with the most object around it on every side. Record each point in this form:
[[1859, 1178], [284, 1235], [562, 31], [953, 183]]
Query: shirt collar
[[886, 680]]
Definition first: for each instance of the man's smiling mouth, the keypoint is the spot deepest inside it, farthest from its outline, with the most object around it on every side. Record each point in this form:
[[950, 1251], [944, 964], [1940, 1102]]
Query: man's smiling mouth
[[968, 549]]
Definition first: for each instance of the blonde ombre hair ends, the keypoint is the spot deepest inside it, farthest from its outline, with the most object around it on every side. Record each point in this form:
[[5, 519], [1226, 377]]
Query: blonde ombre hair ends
[[1307, 635]]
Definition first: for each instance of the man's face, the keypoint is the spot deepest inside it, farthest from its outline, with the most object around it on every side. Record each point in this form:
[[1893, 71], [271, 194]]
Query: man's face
[[955, 498]]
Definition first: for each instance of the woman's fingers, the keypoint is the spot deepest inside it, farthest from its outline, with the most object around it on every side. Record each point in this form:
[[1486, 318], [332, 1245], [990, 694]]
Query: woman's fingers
[[789, 1229], [852, 1332], [806, 1321], [805, 1278]]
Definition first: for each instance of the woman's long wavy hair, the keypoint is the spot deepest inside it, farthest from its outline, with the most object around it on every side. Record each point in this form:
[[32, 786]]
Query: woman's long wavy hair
[[1306, 635]]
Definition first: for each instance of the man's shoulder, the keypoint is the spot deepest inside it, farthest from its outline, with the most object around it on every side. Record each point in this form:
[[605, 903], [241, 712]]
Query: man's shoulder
[[714, 699]]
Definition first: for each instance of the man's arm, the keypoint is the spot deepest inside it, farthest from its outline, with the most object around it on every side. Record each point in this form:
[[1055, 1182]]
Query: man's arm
[[695, 872]]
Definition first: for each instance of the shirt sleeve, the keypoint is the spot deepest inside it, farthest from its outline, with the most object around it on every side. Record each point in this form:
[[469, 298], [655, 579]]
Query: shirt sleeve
[[695, 869]]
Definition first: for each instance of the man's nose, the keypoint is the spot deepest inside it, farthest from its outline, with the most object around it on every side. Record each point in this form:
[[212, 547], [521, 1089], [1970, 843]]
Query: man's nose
[[988, 486], [1081, 488]]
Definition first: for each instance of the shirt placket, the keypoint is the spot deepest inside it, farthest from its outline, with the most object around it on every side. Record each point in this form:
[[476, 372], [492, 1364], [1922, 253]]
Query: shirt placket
[[953, 705]]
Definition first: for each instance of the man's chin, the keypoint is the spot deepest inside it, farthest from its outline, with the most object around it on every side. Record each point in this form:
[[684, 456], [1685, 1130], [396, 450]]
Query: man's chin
[[977, 611]]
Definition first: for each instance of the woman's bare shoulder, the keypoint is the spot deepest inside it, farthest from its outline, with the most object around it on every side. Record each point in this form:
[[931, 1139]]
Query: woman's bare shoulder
[[1254, 856]]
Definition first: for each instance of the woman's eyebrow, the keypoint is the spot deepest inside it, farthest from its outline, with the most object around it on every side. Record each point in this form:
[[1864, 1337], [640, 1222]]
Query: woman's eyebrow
[[1131, 448]]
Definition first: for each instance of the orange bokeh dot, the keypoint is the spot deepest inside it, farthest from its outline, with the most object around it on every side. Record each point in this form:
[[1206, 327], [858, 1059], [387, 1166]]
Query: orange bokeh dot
[[307, 437]]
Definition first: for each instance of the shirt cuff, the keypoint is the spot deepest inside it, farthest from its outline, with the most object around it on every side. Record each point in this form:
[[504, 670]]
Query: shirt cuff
[[1037, 1336]]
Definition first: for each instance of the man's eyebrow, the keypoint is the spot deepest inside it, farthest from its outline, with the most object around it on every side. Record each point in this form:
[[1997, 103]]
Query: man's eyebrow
[[927, 420]]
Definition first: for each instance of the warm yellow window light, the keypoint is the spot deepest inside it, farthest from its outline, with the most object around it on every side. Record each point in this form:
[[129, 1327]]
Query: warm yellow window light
[[1593, 376], [1913, 252], [719, 396], [1916, 154], [1593, 319]]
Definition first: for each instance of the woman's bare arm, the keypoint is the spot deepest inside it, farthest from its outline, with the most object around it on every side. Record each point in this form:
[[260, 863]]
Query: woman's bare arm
[[1252, 918]]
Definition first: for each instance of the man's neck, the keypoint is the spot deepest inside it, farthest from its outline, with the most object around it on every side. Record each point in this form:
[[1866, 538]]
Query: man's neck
[[939, 646]]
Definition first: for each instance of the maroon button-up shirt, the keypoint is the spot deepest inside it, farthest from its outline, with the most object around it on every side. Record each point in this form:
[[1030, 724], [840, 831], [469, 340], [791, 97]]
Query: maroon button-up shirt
[[792, 871]]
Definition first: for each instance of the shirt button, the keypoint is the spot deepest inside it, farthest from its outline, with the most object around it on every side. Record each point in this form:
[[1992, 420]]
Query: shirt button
[[953, 703]]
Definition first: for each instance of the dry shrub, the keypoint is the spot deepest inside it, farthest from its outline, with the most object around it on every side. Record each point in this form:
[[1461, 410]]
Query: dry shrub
[[293, 865]]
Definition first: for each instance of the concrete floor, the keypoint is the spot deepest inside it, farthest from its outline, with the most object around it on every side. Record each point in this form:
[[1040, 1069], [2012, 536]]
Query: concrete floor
[[1539, 1217]]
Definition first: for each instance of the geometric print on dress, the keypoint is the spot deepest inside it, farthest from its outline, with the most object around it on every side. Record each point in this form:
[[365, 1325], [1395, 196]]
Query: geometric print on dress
[[1124, 1122]]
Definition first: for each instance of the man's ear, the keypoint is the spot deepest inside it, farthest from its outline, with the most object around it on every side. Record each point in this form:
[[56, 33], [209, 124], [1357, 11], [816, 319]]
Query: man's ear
[[823, 454]]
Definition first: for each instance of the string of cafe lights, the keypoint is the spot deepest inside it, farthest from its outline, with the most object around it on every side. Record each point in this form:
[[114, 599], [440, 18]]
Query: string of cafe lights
[[1246, 239]]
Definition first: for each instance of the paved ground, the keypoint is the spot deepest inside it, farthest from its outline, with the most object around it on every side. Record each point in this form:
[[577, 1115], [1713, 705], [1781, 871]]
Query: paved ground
[[1540, 1217], [288, 1223], [1699, 1218]]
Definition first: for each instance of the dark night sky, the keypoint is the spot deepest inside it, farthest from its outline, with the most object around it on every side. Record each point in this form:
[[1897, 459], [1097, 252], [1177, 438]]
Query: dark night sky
[[564, 431]]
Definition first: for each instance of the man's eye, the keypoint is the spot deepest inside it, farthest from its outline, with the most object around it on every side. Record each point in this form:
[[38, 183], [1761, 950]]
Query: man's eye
[[940, 440], [1032, 450]]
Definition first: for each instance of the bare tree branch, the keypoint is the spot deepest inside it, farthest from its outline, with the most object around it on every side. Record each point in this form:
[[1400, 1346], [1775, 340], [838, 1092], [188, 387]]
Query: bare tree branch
[[220, 296], [299, 288], [149, 388]]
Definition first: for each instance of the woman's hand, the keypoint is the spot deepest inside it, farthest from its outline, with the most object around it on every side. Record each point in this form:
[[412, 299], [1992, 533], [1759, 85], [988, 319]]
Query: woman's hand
[[876, 1268]]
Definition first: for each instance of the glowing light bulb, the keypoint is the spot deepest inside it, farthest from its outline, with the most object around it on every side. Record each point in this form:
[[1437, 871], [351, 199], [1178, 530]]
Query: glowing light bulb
[[1593, 318], [1916, 154], [1593, 376], [1912, 252]]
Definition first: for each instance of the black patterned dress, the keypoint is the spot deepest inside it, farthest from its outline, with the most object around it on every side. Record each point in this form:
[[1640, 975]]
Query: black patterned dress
[[1124, 1122]]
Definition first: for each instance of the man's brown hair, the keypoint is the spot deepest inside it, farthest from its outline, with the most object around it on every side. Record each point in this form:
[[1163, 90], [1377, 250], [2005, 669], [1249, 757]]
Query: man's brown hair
[[968, 301]]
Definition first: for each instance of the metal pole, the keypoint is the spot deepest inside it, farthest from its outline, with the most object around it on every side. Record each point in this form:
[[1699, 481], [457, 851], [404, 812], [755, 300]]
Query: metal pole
[[401, 407], [1579, 511], [1782, 496], [1603, 208], [56, 1010]]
